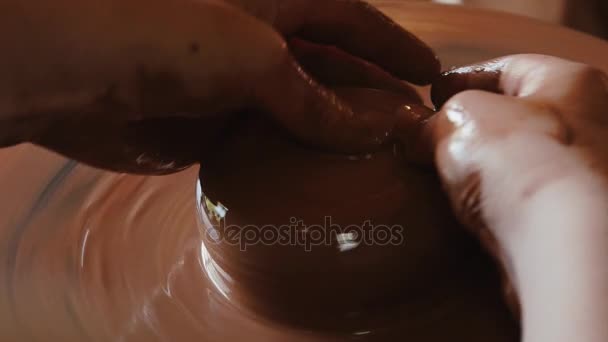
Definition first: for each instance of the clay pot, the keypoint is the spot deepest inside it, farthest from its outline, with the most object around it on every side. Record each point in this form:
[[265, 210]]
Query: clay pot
[[319, 239]]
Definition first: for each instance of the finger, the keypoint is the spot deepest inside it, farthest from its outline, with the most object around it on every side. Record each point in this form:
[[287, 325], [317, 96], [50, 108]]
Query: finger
[[538, 77], [363, 31], [317, 115], [492, 152], [408, 120], [487, 114], [335, 68], [482, 76]]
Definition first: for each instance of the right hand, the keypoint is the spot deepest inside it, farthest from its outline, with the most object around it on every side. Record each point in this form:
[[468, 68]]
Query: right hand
[[134, 85], [521, 145]]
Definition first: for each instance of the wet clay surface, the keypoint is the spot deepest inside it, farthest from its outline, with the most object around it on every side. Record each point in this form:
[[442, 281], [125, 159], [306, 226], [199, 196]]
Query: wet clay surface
[[136, 263], [329, 242]]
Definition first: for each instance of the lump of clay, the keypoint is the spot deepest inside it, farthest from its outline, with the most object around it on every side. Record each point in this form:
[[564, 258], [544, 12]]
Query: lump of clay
[[316, 238]]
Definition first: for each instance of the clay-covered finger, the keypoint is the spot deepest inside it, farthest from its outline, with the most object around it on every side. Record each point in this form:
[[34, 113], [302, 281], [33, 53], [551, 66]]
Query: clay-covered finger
[[363, 31], [537, 77], [482, 76], [336, 68], [339, 120]]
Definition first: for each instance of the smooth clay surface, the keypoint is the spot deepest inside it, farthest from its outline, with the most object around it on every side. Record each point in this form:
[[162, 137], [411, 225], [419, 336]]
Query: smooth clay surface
[[338, 243]]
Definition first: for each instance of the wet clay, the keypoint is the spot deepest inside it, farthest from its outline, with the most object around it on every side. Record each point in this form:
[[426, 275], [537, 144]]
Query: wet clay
[[112, 257], [329, 242]]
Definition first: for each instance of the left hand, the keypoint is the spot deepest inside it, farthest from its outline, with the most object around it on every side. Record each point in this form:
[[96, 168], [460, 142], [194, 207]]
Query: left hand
[[144, 85]]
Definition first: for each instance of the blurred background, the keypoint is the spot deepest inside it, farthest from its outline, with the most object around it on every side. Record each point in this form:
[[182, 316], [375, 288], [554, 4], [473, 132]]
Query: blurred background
[[590, 16]]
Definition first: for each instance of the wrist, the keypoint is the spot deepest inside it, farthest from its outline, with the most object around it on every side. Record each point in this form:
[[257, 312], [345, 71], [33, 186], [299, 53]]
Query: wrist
[[558, 249]]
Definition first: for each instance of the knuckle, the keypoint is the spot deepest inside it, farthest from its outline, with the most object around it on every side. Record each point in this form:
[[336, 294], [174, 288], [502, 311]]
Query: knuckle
[[454, 114], [468, 201], [464, 99], [533, 58]]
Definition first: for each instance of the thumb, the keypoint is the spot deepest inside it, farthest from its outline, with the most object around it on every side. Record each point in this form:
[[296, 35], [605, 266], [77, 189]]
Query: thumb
[[493, 153], [479, 140], [347, 120]]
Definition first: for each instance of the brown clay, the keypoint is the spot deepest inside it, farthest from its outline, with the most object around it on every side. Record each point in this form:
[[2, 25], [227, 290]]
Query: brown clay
[[282, 199]]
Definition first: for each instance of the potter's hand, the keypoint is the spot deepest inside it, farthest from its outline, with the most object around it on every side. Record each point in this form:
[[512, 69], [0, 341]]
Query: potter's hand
[[99, 80], [522, 149]]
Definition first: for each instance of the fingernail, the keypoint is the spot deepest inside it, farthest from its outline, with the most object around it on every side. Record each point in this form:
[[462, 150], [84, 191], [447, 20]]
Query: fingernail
[[409, 132], [484, 76]]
